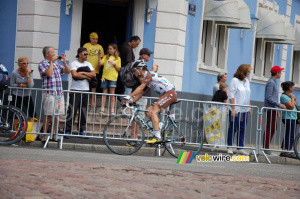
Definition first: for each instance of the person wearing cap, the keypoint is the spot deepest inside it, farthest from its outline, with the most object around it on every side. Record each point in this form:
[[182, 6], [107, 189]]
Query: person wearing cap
[[51, 71], [271, 101], [95, 53], [80, 83], [127, 56]]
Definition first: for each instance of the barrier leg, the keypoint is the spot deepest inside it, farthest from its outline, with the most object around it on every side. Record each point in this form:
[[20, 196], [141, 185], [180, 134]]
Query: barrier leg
[[263, 152], [46, 143], [253, 151], [157, 150], [60, 142]]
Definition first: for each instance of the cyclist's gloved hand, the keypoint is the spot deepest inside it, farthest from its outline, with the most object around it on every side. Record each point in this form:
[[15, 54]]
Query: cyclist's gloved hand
[[128, 98]]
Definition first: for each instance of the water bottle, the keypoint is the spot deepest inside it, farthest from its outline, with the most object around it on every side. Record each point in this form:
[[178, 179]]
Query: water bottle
[[149, 123]]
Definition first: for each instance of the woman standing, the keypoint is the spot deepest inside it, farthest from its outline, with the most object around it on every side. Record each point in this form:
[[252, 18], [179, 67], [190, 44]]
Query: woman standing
[[239, 93], [288, 118], [22, 78]]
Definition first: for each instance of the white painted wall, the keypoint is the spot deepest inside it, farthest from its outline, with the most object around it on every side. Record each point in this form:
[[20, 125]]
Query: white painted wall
[[37, 26], [169, 44]]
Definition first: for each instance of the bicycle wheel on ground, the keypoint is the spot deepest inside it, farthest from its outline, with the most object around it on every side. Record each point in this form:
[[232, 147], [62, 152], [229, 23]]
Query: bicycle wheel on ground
[[122, 137], [297, 146], [13, 125], [183, 136]]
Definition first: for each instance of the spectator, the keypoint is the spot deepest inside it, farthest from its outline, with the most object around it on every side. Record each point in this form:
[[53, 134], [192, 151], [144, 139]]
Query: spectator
[[222, 94], [271, 100], [222, 78], [51, 71], [127, 56], [94, 50], [23, 78], [288, 118], [80, 82], [111, 66], [239, 93]]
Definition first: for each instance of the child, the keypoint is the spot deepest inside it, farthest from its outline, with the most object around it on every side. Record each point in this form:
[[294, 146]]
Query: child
[[111, 66], [222, 94]]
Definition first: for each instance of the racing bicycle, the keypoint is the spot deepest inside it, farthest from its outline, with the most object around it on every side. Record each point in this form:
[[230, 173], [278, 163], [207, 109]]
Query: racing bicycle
[[124, 134], [13, 124]]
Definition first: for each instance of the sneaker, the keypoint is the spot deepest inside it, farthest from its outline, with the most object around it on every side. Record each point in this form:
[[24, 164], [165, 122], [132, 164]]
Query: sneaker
[[241, 152], [229, 151], [84, 134], [67, 137], [284, 154], [112, 113], [292, 155], [102, 112], [153, 141], [42, 138], [132, 143], [269, 153]]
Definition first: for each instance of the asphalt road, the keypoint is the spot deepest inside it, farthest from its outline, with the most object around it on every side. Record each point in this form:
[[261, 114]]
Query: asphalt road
[[287, 172]]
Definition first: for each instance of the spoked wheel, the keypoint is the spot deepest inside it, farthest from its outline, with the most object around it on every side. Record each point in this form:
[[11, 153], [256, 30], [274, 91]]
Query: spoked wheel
[[297, 146], [122, 136], [183, 136], [13, 125]]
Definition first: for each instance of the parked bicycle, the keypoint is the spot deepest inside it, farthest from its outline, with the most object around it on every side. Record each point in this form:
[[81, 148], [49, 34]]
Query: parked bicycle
[[297, 146], [13, 124], [124, 134]]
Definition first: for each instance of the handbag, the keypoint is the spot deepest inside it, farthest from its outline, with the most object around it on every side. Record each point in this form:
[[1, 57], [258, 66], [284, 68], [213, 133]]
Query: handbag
[[32, 125]]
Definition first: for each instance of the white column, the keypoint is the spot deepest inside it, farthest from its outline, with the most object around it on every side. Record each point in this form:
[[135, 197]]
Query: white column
[[37, 26], [169, 44]]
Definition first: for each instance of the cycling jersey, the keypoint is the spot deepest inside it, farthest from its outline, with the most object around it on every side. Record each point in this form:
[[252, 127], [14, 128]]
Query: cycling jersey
[[158, 83]]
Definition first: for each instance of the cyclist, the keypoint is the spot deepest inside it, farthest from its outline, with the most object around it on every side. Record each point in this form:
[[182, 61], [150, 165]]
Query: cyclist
[[158, 84]]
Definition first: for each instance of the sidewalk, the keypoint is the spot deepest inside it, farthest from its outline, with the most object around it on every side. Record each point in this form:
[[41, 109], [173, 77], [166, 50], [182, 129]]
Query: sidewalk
[[99, 146]]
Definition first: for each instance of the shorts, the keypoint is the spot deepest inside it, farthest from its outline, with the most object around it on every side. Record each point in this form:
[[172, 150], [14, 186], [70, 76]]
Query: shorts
[[166, 99], [93, 82], [108, 83], [50, 105]]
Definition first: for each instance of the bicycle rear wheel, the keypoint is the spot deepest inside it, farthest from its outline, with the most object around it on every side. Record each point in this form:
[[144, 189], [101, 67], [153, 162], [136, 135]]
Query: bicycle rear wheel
[[13, 125], [297, 146], [122, 137], [183, 136]]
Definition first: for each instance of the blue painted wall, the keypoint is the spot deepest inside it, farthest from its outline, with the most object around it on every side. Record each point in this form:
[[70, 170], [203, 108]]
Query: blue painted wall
[[193, 81], [8, 24], [149, 35], [64, 31]]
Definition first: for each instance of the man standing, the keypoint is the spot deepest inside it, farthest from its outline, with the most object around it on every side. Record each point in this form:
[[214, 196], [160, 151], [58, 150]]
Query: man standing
[[94, 50], [222, 78], [127, 56], [51, 71], [80, 83], [271, 100]]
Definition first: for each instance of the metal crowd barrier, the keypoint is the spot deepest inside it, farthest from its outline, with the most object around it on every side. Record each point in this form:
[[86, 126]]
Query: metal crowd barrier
[[277, 134], [30, 101], [212, 118]]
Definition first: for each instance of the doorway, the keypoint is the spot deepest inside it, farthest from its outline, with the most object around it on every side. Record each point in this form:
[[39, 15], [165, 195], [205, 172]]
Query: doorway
[[108, 18]]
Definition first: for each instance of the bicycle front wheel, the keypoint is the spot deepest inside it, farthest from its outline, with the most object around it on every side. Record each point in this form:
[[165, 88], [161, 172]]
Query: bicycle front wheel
[[297, 146], [13, 125], [183, 136], [122, 136]]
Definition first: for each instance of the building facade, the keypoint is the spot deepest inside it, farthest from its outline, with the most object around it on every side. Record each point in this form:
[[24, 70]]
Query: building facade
[[192, 40]]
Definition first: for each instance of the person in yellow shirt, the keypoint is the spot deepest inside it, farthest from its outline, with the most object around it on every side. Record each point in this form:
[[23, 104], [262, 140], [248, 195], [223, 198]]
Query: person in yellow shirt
[[94, 49], [111, 66]]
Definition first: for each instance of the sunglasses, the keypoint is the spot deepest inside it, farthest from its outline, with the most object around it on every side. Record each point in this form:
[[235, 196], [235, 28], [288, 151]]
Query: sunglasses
[[24, 63], [85, 54]]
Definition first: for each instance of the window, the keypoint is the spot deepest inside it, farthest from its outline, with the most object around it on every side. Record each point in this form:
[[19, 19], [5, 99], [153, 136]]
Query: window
[[296, 68], [263, 59], [214, 45]]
